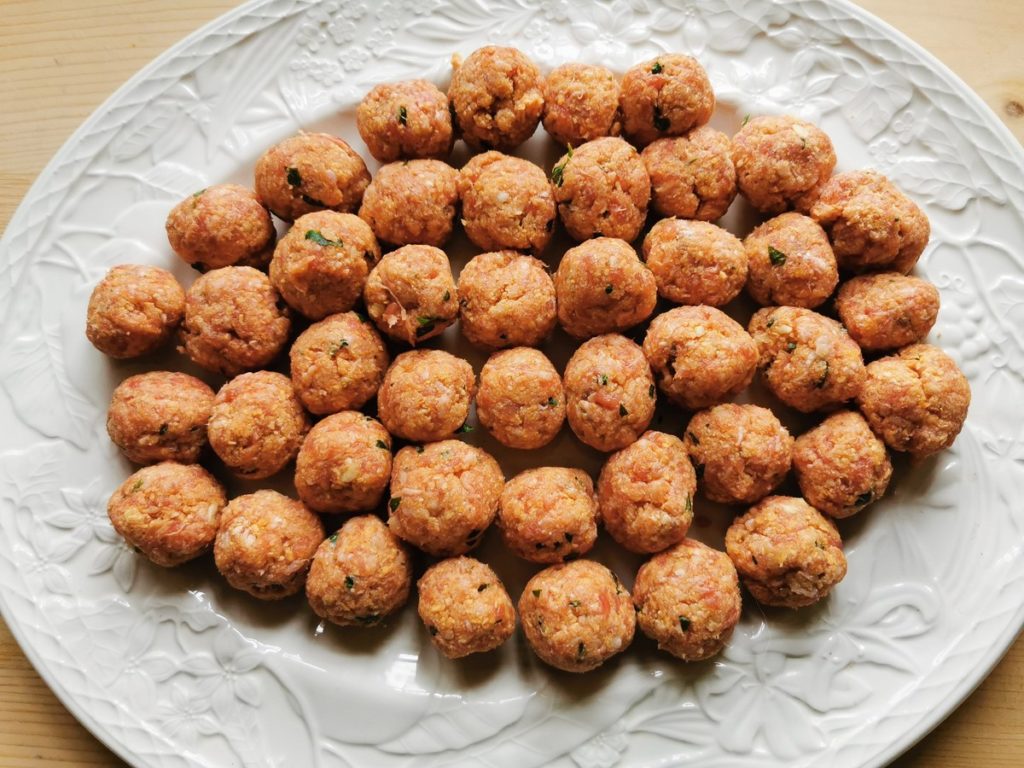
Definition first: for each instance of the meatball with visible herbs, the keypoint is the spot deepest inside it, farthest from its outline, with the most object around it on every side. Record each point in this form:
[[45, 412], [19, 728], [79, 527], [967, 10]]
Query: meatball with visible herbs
[[666, 96], [692, 176], [221, 226], [888, 310], [791, 263], [581, 103], [134, 310], [405, 120], [521, 400], [426, 395], [413, 202], [694, 262], [549, 514], [411, 294]]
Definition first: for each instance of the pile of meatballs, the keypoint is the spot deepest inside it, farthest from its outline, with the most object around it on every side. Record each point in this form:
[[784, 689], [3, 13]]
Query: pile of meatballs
[[634, 147]]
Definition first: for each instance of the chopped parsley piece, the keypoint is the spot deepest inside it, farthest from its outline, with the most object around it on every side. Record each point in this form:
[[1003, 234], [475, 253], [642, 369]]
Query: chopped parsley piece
[[136, 485], [574, 603], [693, 438], [419, 449], [294, 177], [382, 444], [425, 324], [581, 650], [403, 116], [603, 378], [559, 170], [447, 295], [163, 428], [552, 401], [622, 410], [864, 498], [684, 624], [650, 391], [336, 348], [350, 582], [791, 346], [319, 239], [482, 587], [770, 323], [393, 504], [609, 288], [746, 119], [657, 68], [333, 538], [689, 503], [465, 428], [777, 257], [661, 122], [199, 193], [536, 593]]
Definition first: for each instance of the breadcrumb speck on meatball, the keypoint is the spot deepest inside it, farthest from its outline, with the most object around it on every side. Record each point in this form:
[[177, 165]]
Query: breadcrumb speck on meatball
[[405, 120], [549, 514], [692, 176], [581, 103], [888, 310], [666, 96], [134, 310], [221, 226], [411, 294], [791, 262], [521, 400], [694, 262]]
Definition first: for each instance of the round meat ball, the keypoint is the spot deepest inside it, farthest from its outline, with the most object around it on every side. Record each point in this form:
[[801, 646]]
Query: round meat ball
[[779, 159], [916, 400], [405, 120], [602, 189], [359, 575], [609, 392], [426, 395], [411, 294], [134, 310], [444, 496], [581, 103], [160, 416], [577, 615], [506, 299], [645, 493], [688, 600], [666, 96], [700, 356], [742, 452], [520, 400], [496, 97], [888, 310], [168, 511], [257, 424], [841, 465], [310, 172], [465, 607], [412, 202], [338, 364], [787, 553], [265, 544], [221, 226], [694, 262], [234, 321], [549, 514], [692, 176], [791, 263]]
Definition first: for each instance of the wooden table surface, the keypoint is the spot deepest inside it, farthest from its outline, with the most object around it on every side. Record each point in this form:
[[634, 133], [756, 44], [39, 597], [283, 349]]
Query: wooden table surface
[[59, 59]]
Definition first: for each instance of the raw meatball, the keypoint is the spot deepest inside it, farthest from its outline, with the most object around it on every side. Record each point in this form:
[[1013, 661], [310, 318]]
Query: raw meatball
[[134, 310], [257, 424], [577, 615], [887, 311], [496, 97], [916, 400], [791, 263], [426, 395], [406, 120], [779, 159], [444, 496], [742, 452], [602, 188], [700, 356], [506, 300], [168, 511], [221, 226], [160, 416], [338, 364], [809, 361], [692, 176], [666, 96], [645, 493], [412, 202], [359, 575], [411, 294], [609, 392], [234, 321], [688, 600], [521, 401], [581, 103], [465, 607], [786, 552], [549, 514], [694, 262], [841, 466], [266, 543], [310, 172]]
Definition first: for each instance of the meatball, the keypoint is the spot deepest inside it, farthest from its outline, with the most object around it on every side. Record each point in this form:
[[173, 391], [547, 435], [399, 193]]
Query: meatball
[[359, 575], [549, 514], [666, 96], [841, 466], [444, 496], [234, 321], [581, 103], [465, 607], [426, 395], [412, 202], [786, 552], [338, 364], [160, 416], [791, 262], [310, 172], [168, 511], [809, 361], [742, 452], [700, 356], [692, 176], [779, 159], [134, 310], [688, 600], [265, 544], [888, 310], [916, 400], [405, 120], [321, 265], [694, 262], [521, 401], [603, 287], [609, 392], [602, 189], [257, 424], [496, 97], [411, 294], [645, 493], [221, 226], [576, 615], [506, 300]]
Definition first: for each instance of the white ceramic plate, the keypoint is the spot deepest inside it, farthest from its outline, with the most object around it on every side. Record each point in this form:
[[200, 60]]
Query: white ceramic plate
[[173, 669]]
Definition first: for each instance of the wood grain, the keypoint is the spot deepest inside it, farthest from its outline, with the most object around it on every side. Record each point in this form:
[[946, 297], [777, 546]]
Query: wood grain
[[60, 60]]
